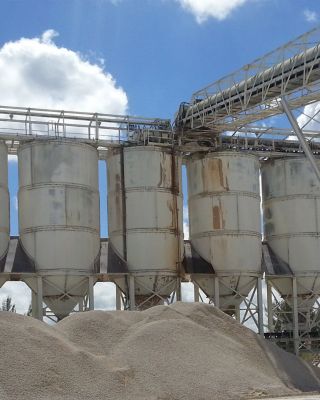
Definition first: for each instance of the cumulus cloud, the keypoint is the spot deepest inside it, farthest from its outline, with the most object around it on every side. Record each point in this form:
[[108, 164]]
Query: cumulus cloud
[[204, 9], [310, 16], [38, 73], [305, 120]]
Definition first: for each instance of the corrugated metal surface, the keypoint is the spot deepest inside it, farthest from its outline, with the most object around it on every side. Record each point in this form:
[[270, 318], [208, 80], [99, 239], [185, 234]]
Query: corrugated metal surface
[[145, 211], [291, 194], [224, 213], [4, 202], [59, 213]]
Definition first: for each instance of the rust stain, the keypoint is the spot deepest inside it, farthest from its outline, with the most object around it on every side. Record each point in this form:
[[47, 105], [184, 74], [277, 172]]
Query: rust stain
[[213, 174], [173, 211], [217, 214]]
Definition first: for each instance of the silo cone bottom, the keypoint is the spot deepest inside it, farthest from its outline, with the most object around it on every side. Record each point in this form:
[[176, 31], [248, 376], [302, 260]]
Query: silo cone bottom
[[61, 308], [233, 289], [62, 302]]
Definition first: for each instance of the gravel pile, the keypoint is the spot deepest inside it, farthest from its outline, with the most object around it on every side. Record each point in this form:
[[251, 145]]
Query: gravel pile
[[184, 351]]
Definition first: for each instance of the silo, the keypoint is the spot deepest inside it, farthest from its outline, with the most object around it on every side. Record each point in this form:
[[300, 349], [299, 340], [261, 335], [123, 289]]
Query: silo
[[4, 204], [291, 203], [59, 217], [224, 218], [145, 218]]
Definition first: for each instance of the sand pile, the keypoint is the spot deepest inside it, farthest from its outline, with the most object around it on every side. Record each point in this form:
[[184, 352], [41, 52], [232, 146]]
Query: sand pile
[[185, 351]]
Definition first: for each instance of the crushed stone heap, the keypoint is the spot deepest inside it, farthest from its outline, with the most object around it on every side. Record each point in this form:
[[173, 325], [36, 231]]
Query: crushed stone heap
[[183, 351]]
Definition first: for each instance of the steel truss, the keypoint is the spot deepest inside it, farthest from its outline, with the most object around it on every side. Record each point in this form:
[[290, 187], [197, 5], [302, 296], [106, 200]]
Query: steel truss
[[251, 93], [298, 323], [128, 299], [250, 308], [102, 130], [36, 281]]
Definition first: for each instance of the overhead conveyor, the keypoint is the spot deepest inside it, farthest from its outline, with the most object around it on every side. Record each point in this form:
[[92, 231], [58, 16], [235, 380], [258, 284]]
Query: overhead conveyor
[[253, 92]]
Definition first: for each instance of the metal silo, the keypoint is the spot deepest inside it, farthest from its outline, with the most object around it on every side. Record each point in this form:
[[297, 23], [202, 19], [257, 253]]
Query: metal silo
[[224, 218], [4, 204], [291, 202], [145, 219], [59, 217]]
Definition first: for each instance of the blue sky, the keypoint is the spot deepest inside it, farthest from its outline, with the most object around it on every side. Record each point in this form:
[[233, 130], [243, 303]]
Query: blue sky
[[144, 57], [158, 51]]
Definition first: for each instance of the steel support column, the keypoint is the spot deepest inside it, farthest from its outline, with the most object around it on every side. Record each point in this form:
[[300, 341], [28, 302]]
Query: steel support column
[[196, 292], [295, 316], [118, 298], [132, 293], [91, 292], [178, 289], [216, 292], [260, 306], [270, 307], [39, 299]]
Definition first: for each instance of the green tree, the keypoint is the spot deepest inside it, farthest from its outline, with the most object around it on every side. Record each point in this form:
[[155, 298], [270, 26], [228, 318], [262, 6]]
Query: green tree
[[7, 305]]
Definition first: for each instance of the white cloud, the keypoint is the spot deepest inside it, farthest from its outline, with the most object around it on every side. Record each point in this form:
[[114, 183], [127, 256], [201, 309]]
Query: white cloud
[[310, 16], [304, 120], [37, 73], [204, 9]]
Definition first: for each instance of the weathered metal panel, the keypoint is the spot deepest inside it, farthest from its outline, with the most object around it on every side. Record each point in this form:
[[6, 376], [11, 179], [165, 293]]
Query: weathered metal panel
[[224, 214], [148, 233], [224, 210], [59, 218], [4, 203], [291, 204]]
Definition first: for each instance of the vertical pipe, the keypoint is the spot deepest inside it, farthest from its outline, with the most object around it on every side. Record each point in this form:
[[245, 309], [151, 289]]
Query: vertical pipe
[[216, 292], [90, 293], [295, 318], [270, 307], [260, 306]]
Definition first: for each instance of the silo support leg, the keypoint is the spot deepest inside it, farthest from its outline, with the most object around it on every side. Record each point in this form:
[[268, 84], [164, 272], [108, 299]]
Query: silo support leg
[[295, 316], [216, 292], [260, 306], [196, 292], [270, 307], [237, 314], [91, 293], [118, 298], [34, 304], [178, 290], [132, 293], [39, 299]]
